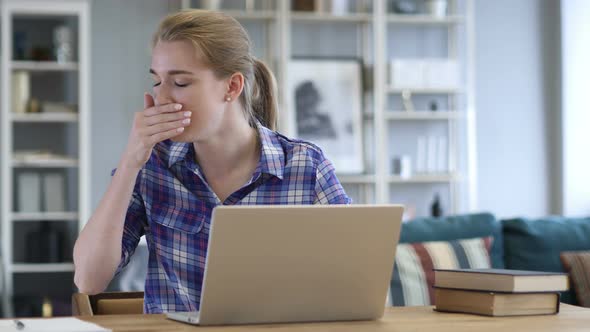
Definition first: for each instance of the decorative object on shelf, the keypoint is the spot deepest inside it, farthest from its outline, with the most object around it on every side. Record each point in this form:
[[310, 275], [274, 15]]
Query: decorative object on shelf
[[334, 7], [405, 6], [54, 190], [406, 73], [421, 155], [44, 245], [433, 106], [47, 308], [33, 106], [303, 5], [211, 4], [402, 166], [437, 8], [250, 5], [28, 192], [41, 53], [21, 90], [441, 74], [424, 73], [432, 154], [363, 6], [436, 207], [326, 97], [20, 45], [55, 107], [63, 44], [442, 155], [340, 7], [407, 101]]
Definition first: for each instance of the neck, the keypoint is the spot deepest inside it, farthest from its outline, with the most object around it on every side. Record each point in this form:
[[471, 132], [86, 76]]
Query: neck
[[233, 147]]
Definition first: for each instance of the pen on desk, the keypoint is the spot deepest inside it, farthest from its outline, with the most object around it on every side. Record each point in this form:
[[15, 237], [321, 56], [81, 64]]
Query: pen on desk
[[19, 325]]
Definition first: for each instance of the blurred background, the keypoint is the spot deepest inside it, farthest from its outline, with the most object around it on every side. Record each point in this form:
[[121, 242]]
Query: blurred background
[[445, 106]]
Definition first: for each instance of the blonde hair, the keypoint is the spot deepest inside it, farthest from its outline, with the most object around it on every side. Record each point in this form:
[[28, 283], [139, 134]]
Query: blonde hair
[[226, 48]]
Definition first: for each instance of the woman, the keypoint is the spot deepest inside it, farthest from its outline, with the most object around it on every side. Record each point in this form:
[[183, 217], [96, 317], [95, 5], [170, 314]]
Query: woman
[[203, 140]]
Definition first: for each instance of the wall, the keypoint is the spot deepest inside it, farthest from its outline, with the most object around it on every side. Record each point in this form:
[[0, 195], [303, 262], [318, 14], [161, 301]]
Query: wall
[[516, 91]]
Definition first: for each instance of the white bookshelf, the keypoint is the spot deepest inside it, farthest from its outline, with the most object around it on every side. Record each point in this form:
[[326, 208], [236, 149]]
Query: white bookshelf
[[74, 163], [373, 40]]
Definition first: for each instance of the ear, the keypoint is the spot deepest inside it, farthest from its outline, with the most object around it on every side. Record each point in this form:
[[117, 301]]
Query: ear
[[235, 85]]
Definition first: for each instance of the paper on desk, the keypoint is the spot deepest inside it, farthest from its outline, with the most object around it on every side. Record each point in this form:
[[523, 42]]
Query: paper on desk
[[52, 325]]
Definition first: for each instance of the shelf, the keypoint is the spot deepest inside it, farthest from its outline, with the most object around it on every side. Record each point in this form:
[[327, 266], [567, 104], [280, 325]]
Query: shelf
[[425, 91], [42, 267], [356, 179], [424, 19], [422, 115], [263, 15], [44, 117], [46, 163], [422, 178], [324, 17], [37, 216], [44, 66]]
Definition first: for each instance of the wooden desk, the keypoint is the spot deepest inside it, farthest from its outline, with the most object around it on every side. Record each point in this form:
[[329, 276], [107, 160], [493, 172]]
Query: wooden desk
[[397, 319]]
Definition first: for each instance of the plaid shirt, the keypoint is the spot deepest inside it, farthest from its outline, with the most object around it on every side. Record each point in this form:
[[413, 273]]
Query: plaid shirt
[[172, 205]]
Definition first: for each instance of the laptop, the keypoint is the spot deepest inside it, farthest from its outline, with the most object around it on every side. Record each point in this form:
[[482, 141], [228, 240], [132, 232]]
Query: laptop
[[305, 263]]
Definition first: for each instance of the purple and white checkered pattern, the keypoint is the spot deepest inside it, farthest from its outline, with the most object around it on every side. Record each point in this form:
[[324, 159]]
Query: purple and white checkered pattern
[[172, 206]]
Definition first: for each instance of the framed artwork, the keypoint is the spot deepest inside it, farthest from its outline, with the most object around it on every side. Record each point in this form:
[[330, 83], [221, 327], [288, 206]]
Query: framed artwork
[[326, 99]]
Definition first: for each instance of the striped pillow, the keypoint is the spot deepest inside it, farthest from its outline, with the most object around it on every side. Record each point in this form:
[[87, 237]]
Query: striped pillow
[[413, 277], [577, 264]]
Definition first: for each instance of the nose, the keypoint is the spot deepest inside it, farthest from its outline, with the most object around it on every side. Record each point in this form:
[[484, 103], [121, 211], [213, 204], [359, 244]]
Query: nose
[[162, 95]]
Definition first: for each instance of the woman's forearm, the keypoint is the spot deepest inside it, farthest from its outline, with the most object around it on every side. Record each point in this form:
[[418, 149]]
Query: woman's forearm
[[97, 251]]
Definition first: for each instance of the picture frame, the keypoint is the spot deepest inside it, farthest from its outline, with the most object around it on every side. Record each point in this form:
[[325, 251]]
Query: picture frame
[[325, 95]]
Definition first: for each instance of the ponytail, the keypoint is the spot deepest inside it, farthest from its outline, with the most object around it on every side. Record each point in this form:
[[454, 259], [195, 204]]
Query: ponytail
[[264, 96]]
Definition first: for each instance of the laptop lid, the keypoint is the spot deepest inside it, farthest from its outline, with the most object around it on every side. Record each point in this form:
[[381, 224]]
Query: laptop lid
[[269, 264]]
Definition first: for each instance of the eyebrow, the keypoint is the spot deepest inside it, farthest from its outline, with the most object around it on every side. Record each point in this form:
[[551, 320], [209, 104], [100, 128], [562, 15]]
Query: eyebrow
[[173, 72]]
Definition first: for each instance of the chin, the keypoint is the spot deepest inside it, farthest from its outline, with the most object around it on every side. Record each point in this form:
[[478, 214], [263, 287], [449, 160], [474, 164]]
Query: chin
[[186, 137]]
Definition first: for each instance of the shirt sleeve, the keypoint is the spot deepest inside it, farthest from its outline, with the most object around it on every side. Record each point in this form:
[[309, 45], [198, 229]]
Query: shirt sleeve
[[327, 187], [133, 229]]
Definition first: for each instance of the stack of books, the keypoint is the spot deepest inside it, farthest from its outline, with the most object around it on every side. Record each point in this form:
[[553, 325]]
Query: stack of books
[[497, 292]]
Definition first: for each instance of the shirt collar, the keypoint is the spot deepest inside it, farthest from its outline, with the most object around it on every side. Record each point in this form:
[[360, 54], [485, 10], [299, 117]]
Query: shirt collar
[[272, 156]]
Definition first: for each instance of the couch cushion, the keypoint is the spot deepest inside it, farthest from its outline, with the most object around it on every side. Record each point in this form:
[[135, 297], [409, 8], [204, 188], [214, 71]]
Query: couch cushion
[[577, 264], [413, 275], [535, 244], [457, 227]]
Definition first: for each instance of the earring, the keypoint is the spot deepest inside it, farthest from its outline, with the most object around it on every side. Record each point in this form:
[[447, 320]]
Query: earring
[[228, 98]]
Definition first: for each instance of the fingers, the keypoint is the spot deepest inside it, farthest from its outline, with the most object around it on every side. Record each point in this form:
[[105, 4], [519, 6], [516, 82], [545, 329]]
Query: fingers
[[166, 126], [154, 139], [167, 108], [148, 100], [166, 117]]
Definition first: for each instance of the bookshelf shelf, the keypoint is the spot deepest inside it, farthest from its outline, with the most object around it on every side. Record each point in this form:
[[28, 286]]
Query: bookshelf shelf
[[45, 117], [50, 216], [42, 267], [44, 66]]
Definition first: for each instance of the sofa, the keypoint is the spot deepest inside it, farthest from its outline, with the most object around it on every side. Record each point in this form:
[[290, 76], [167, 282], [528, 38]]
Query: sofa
[[481, 240]]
